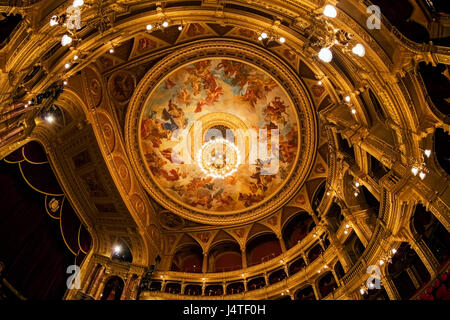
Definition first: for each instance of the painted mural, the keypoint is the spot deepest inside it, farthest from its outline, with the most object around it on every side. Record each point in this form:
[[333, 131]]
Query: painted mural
[[218, 90]]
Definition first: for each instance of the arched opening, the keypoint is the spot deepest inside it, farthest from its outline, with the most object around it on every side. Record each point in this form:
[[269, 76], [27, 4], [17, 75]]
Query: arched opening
[[433, 233], [327, 284], [297, 265], [354, 247], [122, 252], [155, 286], [318, 195], [113, 289], [277, 276], [339, 270], [225, 256], [193, 290], [335, 216], [437, 85], [297, 228], [377, 169], [214, 290], [407, 271], [345, 147], [235, 287], [188, 258], [315, 252], [371, 201], [173, 287], [256, 283], [307, 293], [262, 248]]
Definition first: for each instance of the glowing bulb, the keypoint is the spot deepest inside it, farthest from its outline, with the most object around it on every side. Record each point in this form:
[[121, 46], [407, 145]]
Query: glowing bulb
[[318, 271], [347, 226], [49, 118], [203, 279], [381, 262], [66, 40], [29, 101], [53, 21], [428, 153], [362, 291], [259, 38], [65, 82], [319, 83], [422, 175], [282, 40], [75, 57], [111, 50], [328, 193], [78, 3], [149, 27], [347, 98], [67, 65], [330, 11], [353, 111], [394, 251], [415, 171], [165, 24], [325, 55], [346, 232], [264, 35], [357, 184], [359, 50], [356, 194], [180, 28], [117, 249], [242, 275]]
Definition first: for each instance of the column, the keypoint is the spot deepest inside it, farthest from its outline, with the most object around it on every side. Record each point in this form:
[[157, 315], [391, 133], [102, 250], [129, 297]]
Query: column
[[413, 277], [282, 244], [205, 262], [183, 286], [244, 257], [390, 288], [425, 254], [316, 291]]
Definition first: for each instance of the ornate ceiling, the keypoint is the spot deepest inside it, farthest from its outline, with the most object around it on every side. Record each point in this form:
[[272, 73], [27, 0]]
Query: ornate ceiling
[[134, 147]]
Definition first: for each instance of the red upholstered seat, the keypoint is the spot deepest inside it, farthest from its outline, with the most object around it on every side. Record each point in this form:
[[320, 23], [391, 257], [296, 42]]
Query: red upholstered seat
[[444, 277], [430, 290], [437, 283], [441, 292]]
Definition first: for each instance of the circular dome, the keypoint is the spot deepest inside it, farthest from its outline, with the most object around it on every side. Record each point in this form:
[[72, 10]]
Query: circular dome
[[220, 137]]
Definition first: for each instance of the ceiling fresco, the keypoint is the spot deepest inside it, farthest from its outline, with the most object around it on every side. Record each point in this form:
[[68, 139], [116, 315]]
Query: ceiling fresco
[[219, 135]]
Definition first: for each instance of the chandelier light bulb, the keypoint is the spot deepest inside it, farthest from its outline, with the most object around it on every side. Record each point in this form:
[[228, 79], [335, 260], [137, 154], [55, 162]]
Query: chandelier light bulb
[[357, 184], [362, 291], [65, 82], [359, 50], [415, 171], [427, 153], [180, 28], [330, 11], [353, 111], [264, 35], [319, 83], [77, 3], [356, 194], [117, 249], [325, 55], [149, 27], [328, 193], [67, 65], [29, 102], [49, 118], [422, 175], [111, 50], [347, 226], [345, 231], [75, 57], [53, 21], [394, 251], [66, 40], [282, 40], [165, 24], [347, 98], [381, 262]]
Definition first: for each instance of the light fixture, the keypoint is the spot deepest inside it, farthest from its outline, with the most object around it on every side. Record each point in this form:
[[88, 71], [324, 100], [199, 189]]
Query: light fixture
[[203, 279], [264, 35], [356, 194], [282, 40], [381, 262], [218, 167], [53, 21], [149, 27], [362, 291], [394, 251], [422, 175], [427, 153], [347, 226], [281, 261], [29, 102], [330, 11], [347, 98], [359, 50], [357, 184], [66, 40], [77, 3], [117, 249], [165, 24], [353, 111], [67, 65], [111, 50], [345, 232], [325, 55], [65, 82], [328, 193], [242, 275], [319, 83], [180, 28], [415, 170], [75, 57]]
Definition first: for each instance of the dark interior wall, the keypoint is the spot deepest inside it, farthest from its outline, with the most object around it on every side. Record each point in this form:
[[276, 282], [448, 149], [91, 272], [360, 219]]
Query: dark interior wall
[[35, 247]]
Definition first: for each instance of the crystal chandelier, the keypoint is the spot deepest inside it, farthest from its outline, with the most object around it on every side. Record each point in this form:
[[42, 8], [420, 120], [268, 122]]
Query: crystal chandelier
[[218, 158]]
